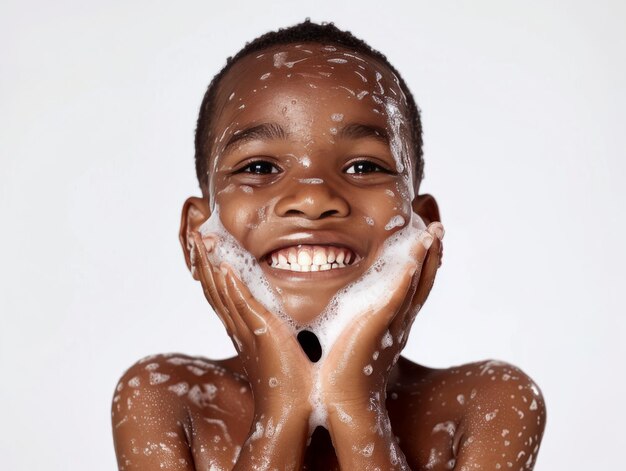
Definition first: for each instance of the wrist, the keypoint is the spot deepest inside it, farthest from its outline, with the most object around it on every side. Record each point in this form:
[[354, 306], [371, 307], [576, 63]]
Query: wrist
[[363, 405], [282, 406], [357, 397], [362, 436]]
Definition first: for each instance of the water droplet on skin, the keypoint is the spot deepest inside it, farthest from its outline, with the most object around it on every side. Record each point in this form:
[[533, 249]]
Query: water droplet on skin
[[387, 340], [491, 415]]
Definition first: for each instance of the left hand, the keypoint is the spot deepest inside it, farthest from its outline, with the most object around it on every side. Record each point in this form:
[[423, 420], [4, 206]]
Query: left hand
[[358, 365]]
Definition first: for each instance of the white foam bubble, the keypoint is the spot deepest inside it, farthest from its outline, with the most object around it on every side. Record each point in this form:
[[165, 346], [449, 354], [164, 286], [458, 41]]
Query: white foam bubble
[[372, 289], [396, 221], [311, 181], [319, 414], [387, 340], [399, 141], [245, 265]]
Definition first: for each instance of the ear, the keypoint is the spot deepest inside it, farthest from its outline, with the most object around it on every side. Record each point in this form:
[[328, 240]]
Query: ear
[[195, 212], [426, 206]]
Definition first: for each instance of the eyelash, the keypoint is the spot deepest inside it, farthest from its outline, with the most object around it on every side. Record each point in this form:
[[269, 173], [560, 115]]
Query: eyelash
[[258, 163], [377, 169], [275, 170]]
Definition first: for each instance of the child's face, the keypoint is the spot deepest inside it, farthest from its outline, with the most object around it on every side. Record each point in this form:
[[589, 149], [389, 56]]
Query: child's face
[[302, 157]]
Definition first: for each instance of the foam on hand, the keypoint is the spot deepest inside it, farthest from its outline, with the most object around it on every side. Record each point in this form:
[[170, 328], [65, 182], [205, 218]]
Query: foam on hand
[[372, 289], [229, 250]]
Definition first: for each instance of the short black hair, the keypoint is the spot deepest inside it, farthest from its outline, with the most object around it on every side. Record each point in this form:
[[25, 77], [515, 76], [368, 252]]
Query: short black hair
[[305, 32]]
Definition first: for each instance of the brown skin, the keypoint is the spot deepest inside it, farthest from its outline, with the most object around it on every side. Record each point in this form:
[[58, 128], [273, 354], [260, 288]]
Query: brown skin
[[178, 412]]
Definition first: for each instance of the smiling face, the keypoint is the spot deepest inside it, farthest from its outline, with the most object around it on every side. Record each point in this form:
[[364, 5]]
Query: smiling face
[[309, 167]]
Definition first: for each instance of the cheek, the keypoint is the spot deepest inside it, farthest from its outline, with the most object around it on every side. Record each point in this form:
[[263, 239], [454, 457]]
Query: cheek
[[242, 208], [238, 208], [389, 213]]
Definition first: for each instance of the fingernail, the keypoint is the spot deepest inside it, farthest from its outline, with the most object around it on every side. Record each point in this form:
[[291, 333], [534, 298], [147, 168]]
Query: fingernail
[[438, 230], [209, 243], [224, 269], [426, 239]]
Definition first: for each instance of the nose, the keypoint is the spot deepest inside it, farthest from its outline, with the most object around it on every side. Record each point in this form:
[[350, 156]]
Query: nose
[[312, 201]]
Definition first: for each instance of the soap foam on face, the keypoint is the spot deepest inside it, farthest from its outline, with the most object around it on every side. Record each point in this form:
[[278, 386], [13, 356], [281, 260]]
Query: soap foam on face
[[371, 289], [229, 250]]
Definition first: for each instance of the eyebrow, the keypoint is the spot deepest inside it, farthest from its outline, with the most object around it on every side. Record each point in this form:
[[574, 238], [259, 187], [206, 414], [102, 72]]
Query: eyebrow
[[263, 132], [273, 131], [360, 131]]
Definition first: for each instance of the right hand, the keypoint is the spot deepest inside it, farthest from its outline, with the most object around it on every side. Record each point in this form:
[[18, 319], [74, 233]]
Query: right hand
[[278, 370]]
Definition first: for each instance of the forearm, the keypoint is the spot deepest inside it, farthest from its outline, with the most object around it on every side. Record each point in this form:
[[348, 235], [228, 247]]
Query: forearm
[[277, 439], [362, 436]]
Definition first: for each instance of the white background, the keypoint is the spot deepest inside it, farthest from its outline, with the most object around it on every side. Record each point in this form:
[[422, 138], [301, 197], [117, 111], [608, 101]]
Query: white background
[[524, 112]]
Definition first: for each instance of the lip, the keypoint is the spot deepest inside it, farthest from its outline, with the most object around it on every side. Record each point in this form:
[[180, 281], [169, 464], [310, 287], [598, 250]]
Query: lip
[[287, 275]]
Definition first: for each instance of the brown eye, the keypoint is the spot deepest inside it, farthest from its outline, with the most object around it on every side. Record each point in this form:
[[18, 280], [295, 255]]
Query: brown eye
[[260, 167], [364, 166]]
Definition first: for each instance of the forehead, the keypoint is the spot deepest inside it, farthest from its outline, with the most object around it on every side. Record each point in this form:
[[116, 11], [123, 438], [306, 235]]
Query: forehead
[[322, 74]]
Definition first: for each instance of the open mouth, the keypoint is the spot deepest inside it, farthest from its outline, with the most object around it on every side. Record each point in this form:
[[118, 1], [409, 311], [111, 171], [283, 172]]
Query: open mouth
[[312, 258]]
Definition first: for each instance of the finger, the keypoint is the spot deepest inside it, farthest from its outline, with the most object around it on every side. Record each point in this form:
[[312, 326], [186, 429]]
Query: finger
[[429, 272], [243, 329], [254, 314], [438, 231], [205, 273], [420, 251], [398, 323], [379, 319]]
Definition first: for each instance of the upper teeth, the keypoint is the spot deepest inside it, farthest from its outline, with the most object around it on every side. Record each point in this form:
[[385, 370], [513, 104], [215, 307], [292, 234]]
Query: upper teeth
[[311, 258]]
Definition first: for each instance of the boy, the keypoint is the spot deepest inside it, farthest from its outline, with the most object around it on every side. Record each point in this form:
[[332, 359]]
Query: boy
[[309, 157]]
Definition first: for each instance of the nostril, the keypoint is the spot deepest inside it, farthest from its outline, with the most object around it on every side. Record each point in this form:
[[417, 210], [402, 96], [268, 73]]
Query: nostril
[[294, 212], [312, 215], [310, 344], [329, 213]]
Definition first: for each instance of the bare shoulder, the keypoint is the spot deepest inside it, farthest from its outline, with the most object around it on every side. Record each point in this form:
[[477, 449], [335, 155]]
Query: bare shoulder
[[485, 413], [166, 406]]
